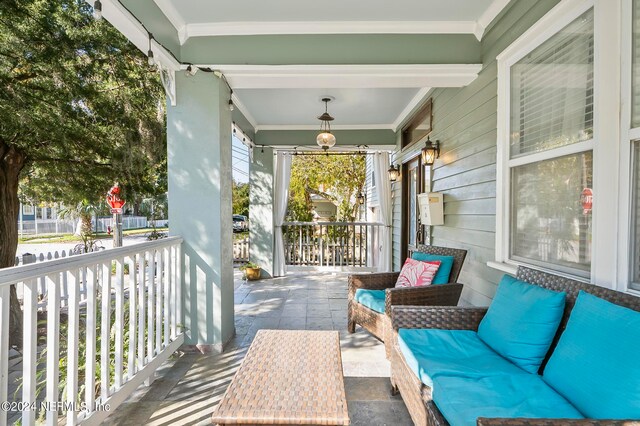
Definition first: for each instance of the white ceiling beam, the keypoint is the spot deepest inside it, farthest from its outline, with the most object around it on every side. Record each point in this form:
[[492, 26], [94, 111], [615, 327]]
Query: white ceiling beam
[[347, 76]]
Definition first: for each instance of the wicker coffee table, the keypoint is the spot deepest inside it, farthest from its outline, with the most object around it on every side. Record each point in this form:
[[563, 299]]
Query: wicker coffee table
[[287, 377]]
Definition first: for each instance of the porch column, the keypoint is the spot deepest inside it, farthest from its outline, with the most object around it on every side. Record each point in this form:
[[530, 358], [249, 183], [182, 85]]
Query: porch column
[[199, 164], [261, 210]]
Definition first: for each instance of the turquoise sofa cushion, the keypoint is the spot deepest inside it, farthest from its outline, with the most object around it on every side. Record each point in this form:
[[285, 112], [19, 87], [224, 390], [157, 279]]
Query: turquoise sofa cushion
[[595, 365], [446, 263], [461, 400], [431, 353], [372, 299], [521, 322]]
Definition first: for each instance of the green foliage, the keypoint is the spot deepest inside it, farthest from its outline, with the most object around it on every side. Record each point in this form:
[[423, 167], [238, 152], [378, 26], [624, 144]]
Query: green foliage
[[80, 102], [240, 195], [338, 178], [249, 265]]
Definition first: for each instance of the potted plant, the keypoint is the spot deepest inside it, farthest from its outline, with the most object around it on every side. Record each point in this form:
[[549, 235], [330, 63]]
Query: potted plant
[[251, 271]]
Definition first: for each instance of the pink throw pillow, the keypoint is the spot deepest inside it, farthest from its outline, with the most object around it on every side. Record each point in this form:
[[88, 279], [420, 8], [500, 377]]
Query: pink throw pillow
[[416, 273]]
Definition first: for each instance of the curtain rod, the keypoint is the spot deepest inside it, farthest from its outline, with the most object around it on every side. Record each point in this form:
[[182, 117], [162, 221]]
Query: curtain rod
[[312, 154]]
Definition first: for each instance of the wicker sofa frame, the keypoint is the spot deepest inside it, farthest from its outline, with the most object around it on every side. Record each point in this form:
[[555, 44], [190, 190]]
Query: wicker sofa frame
[[417, 396], [379, 324]]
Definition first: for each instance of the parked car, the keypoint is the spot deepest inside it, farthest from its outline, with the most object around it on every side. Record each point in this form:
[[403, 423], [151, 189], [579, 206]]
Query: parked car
[[240, 223]]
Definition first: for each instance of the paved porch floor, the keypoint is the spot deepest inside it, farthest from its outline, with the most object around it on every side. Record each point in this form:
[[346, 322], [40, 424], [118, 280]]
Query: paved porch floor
[[188, 387]]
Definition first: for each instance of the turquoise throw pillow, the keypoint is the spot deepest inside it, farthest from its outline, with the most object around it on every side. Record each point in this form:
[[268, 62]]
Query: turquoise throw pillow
[[446, 263], [595, 365], [521, 322]]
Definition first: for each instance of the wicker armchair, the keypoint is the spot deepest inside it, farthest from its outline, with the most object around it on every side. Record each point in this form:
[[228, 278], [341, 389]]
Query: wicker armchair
[[379, 324], [417, 396]]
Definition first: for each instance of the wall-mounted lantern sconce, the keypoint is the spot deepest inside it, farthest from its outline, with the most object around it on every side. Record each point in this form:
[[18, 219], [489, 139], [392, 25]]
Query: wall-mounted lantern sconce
[[430, 152], [394, 173], [361, 198]]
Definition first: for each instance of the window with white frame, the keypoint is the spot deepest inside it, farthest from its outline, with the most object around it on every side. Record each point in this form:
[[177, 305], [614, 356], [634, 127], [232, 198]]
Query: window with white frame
[[634, 252], [547, 150]]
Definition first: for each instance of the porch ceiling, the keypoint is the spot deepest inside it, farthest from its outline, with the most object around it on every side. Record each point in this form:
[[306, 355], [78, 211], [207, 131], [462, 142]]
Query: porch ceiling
[[379, 59]]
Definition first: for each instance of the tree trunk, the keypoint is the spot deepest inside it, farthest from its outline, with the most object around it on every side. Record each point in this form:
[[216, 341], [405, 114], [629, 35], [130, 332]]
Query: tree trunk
[[11, 163]]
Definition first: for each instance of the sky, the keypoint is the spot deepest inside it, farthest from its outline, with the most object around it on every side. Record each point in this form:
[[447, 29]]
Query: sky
[[240, 161]]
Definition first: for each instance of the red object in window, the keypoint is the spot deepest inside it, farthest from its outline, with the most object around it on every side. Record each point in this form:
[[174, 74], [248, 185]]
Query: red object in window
[[586, 199], [114, 200]]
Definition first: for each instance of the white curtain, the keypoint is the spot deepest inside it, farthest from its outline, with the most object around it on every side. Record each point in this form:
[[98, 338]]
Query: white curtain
[[281, 196], [383, 188]]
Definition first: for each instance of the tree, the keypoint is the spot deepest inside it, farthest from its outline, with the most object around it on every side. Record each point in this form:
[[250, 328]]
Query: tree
[[338, 178], [79, 110], [240, 197]]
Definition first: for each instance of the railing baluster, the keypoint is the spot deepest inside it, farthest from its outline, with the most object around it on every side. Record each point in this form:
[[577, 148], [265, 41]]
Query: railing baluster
[[151, 256], [53, 346], [167, 295], [72, 345], [30, 349], [105, 331], [321, 241], [142, 267], [133, 292], [4, 348], [91, 276], [179, 275], [119, 323], [172, 301], [159, 298]]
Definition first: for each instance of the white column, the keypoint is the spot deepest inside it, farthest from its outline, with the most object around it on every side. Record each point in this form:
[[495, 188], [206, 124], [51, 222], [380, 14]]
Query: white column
[[199, 163]]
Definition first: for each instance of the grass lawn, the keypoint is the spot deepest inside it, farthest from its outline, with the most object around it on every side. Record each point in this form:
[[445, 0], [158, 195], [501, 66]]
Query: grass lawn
[[69, 238], [237, 236]]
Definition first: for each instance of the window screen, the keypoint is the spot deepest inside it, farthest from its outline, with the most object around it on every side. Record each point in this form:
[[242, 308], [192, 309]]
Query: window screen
[[552, 91]]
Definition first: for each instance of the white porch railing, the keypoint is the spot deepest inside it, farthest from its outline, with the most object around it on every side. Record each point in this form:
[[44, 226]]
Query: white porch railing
[[83, 360], [241, 250], [331, 244]]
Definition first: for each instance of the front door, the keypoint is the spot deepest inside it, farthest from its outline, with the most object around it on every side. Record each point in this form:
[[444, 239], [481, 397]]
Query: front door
[[412, 186]]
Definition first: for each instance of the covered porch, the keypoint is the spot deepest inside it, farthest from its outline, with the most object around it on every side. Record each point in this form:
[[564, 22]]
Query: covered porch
[[521, 116], [189, 386]]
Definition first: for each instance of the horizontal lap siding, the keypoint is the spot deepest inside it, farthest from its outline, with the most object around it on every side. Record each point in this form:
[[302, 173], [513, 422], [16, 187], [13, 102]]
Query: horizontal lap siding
[[465, 122]]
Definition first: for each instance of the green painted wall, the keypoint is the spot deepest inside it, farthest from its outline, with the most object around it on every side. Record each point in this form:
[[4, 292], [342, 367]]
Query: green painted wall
[[465, 121], [334, 49], [261, 209], [308, 137], [199, 165]]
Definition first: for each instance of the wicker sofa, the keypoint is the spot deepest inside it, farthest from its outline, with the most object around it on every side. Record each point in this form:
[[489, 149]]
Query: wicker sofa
[[379, 324], [418, 397]]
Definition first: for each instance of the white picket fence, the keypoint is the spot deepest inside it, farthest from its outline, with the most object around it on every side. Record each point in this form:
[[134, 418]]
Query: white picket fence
[[150, 294], [68, 226], [241, 250]]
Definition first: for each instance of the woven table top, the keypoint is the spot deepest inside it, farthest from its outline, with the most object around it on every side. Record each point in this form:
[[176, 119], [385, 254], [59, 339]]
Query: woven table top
[[287, 377]]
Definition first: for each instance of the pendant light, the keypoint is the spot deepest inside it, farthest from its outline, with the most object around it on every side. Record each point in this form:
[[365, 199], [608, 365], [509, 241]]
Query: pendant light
[[326, 139]]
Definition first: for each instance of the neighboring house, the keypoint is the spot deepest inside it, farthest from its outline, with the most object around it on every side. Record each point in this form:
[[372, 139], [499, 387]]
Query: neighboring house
[[324, 210]]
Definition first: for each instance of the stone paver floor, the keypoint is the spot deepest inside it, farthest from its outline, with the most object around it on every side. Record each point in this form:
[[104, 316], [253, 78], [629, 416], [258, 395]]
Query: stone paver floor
[[188, 387]]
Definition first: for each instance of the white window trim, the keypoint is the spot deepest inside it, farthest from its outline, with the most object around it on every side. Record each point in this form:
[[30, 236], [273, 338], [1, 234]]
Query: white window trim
[[627, 136], [607, 15]]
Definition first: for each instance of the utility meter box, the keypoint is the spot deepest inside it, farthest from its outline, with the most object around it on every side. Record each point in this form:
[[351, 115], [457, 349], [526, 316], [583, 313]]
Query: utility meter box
[[431, 208]]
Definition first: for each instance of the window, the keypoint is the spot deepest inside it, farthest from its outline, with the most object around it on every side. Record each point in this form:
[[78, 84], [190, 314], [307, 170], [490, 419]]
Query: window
[[27, 209], [547, 150], [634, 148], [419, 126]]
